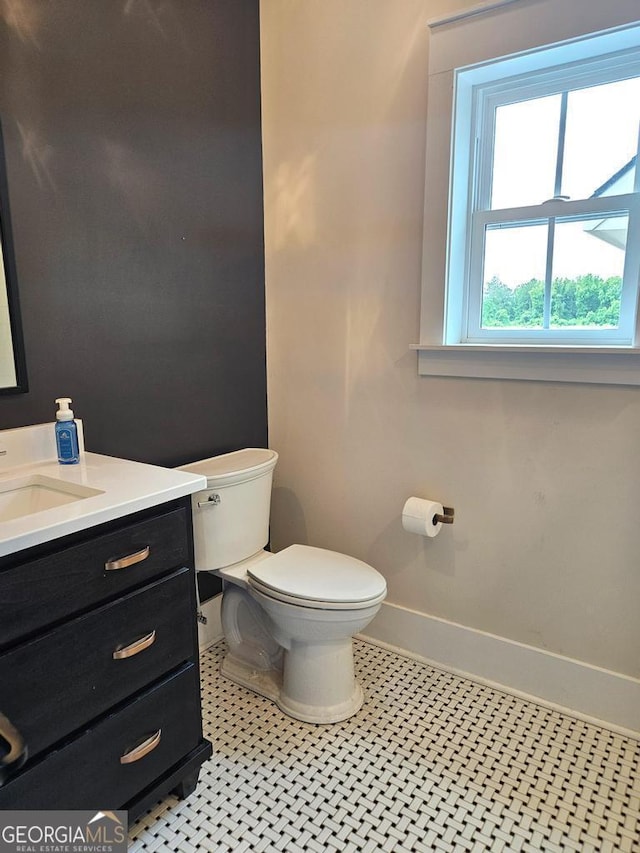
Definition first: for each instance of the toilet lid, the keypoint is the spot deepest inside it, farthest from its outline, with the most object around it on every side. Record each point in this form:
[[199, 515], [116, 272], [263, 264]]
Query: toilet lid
[[316, 575], [237, 467]]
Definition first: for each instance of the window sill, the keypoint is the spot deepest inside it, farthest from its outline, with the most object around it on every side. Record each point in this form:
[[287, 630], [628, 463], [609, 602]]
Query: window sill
[[594, 365]]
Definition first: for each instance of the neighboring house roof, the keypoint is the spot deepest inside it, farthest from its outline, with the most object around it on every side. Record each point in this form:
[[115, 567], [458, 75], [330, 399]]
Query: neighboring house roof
[[613, 229], [618, 178]]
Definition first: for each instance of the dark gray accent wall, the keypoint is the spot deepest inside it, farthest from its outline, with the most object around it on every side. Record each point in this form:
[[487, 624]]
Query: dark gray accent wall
[[132, 135]]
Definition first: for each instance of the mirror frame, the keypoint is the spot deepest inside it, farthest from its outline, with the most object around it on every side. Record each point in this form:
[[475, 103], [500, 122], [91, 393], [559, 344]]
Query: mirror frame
[[11, 281]]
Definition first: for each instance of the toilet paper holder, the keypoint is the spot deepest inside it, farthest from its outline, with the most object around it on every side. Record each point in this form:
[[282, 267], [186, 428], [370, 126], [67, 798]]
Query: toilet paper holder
[[446, 517], [425, 517]]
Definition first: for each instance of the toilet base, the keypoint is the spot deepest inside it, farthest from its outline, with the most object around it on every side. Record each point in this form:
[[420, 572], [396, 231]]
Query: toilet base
[[272, 685], [330, 714], [265, 682]]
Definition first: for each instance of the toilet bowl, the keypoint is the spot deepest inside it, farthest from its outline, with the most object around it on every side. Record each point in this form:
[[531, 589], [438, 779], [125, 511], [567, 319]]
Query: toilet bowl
[[288, 618]]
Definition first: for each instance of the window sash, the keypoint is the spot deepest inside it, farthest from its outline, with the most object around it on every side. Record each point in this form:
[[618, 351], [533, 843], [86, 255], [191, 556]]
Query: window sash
[[471, 189], [487, 98], [627, 204]]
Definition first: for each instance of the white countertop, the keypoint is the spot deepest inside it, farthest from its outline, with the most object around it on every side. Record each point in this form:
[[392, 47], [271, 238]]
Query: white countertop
[[126, 487]]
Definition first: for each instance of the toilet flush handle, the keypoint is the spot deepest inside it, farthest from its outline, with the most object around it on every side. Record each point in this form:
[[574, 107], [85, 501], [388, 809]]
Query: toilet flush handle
[[212, 500]]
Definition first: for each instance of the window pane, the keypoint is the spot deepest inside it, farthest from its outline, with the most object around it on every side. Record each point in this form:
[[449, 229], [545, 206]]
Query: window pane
[[525, 152], [514, 271], [601, 139], [588, 265]]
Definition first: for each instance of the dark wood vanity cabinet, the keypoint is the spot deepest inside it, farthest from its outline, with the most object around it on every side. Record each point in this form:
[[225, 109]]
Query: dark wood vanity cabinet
[[99, 680]]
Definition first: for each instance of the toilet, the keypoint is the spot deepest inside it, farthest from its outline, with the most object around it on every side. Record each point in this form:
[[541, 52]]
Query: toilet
[[288, 618]]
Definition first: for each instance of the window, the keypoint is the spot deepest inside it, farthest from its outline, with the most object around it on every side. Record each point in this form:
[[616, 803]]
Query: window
[[531, 261], [544, 254]]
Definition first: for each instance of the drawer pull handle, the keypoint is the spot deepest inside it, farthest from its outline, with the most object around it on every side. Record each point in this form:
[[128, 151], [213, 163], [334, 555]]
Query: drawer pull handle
[[17, 754], [136, 647], [130, 560], [142, 749]]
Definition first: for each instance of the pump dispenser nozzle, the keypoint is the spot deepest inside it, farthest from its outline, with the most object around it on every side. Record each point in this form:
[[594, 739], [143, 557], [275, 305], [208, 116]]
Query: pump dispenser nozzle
[[64, 413]]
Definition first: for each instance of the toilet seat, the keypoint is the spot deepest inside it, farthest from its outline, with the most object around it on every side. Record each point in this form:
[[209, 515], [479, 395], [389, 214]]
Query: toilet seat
[[317, 578]]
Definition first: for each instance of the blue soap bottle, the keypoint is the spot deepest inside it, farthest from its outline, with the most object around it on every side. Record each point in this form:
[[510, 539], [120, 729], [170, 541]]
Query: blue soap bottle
[[66, 433]]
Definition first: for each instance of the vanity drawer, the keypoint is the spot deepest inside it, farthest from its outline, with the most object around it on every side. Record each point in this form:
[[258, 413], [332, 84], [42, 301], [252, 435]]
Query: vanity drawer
[[54, 684], [88, 772], [39, 592]]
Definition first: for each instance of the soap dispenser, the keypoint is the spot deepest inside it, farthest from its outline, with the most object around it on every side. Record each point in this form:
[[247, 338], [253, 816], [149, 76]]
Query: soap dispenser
[[66, 433]]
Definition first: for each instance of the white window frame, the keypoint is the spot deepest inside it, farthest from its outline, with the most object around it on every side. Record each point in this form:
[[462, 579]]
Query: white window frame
[[463, 323], [448, 346]]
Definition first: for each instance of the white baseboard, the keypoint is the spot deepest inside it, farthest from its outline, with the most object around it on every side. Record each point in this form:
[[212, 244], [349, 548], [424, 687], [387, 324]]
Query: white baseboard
[[585, 691], [211, 632]]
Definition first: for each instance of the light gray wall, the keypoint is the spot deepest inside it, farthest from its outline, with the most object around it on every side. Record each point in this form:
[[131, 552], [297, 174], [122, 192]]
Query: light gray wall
[[544, 477]]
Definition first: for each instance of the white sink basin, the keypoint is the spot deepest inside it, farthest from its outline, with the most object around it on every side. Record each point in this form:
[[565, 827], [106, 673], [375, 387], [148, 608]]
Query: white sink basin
[[37, 492]]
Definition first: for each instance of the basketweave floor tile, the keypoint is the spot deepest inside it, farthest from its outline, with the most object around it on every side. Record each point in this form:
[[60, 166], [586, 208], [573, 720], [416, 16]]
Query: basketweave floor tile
[[432, 762]]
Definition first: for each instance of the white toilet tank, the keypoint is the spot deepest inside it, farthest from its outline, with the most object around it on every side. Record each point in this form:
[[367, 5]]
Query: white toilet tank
[[231, 517]]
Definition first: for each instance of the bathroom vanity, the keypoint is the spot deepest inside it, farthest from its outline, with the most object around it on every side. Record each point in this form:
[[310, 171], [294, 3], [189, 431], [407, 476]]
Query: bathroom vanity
[[99, 681]]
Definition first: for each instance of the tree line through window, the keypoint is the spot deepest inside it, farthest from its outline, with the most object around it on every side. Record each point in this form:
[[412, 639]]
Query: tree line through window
[[587, 301]]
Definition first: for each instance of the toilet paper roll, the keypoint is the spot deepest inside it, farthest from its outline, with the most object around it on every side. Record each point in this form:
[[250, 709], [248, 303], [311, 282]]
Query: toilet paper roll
[[418, 517]]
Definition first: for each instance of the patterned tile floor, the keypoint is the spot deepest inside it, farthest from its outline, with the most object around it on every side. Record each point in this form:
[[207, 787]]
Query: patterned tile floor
[[431, 762]]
